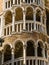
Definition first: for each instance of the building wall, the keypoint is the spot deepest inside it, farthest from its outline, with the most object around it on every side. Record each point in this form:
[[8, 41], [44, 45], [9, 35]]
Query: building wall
[[1, 5]]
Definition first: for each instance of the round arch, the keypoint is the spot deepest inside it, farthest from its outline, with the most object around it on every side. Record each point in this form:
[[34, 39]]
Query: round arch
[[18, 52], [40, 49], [8, 17], [7, 44], [18, 14], [37, 8], [38, 14], [7, 53], [30, 50], [29, 13]]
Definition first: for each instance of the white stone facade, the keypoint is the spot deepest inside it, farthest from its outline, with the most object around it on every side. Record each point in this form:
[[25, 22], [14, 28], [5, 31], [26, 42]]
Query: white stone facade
[[23, 28]]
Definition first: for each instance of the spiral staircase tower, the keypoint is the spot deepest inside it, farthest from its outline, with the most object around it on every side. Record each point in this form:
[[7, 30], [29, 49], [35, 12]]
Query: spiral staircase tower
[[23, 28]]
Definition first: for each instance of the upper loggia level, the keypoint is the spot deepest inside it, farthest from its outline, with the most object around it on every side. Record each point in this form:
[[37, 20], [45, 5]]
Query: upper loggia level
[[20, 15], [10, 3]]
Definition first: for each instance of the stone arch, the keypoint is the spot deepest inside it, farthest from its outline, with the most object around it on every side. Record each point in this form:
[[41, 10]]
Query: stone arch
[[7, 44], [30, 50], [40, 49], [38, 14], [17, 41], [18, 50], [7, 53], [8, 17], [40, 41], [38, 8], [18, 14], [29, 13]]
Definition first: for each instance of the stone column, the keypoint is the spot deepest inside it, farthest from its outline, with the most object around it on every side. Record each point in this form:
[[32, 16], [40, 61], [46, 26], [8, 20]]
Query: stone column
[[24, 1], [20, 1], [24, 54], [34, 17], [41, 18], [2, 57], [17, 2], [13, 21], [13, 1], [24, 16], [2, 25], [43, 52], [36, 54], [33, 1], [42, 30], [12, 56], [10, 4]]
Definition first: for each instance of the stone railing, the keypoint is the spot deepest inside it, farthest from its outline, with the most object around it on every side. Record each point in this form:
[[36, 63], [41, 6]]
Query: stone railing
[[29, 27], [29, 61]]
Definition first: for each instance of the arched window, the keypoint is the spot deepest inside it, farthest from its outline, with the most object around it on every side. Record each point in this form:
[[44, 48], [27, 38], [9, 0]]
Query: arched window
[[8, 17], [38, 15], [18, 52], [18, 14], [29, 13], [7, 53], [30, 51], [39, 49]]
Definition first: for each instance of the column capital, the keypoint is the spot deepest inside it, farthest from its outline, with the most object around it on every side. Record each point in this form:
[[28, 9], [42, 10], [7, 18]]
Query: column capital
[[41, 13], [35, 45], [24, 45], [24, 11], [34, 12], [23, 1], [13, 13], [12, 50]]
